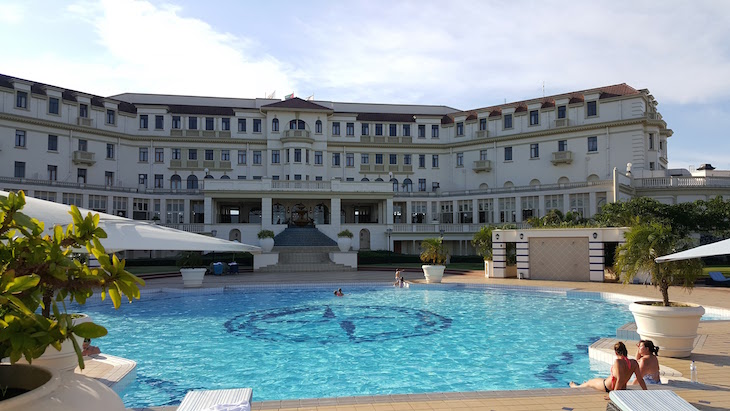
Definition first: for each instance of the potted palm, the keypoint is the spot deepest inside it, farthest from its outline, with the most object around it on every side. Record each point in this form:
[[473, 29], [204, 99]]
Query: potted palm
[[344, 240], [266, 240], [38, 275], [482, 241], [191, 268], [434, 256], [671, 325]]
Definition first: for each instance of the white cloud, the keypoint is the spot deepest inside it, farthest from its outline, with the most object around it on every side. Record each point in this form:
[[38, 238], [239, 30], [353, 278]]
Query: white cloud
[[11, 13]]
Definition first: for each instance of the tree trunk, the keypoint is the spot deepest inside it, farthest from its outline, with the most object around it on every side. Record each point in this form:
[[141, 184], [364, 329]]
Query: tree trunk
[[663, 285], [47, 297]]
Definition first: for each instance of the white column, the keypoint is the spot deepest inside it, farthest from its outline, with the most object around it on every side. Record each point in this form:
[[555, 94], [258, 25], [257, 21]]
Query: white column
[[518, 209], [541, 211], [336, 210], [388, 211], [208, 210], [591, 204], [475, 211], [266, 210], [186, 214], [566, 203]]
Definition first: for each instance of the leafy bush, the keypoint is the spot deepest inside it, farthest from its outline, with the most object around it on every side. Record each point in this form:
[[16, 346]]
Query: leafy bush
[[345, 233], [434, 251], [190, 259], [265, 234]]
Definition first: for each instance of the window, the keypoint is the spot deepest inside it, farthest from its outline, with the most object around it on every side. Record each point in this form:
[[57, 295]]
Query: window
[[83, 110], [561, 112], [460, 159], [365, 129], [591, 109], [53, 107], [143, 121], [225, 155], [142, 180], [651, 165], [242, 125], [297, 155], [109, 178], [176, 122], [661, 145], [20, 169], [508, 154], [365, 159], [350, 129], [350, 160], [209, 155], [21, 99], [275, 125], [422, 161], [110, 151], [435, 131], [393, 159], [336, 128], [140, 208], [378, 159], [554, 202], [460, 128], [257, 125], [534, 117], [192, 123], [175, 184], [482, 155], [209, 123], [241, 156], [486, 210], [192, 182], [159, 122], [421, 184], [651, 141], [97, 203], [159, 181], [159, 155], [176, 154], [435, 186], [435, 161], [592, 144], [192, 154], [534, 150], [52, 173], [421, 131], [73, 199], [465, 211], [579, 203], [175, 210], [507, 121], [275, 157], [19, 138], [406, 130], [111, 117], [81, 176], [318, 157], [378, 129], [52, 142], [83, 145], [407, 159], [143, 154], [318, 127], [563, 145], [335, 159], [257, 157], [393, 130], [482, 124], [507, 210]]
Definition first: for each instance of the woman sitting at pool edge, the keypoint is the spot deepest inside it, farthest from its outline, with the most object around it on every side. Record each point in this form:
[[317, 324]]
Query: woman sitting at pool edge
[[621, 371], [646, 356]]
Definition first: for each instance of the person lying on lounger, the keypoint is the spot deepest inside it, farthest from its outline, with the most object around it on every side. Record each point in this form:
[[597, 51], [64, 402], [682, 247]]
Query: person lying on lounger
[[621, 371], [646, 356]]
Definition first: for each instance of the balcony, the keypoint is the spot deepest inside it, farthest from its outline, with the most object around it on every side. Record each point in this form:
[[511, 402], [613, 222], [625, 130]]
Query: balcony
[[208, 163], [225, 165], [562, 157], [83, 157], [365, 139], [364, 168], [561, 122], [192, 133], [192, 164], [84, 121], [482, 165], [176, 133], [175, 163], [481, 134], [224, 134], [653, 116], [209, 134]]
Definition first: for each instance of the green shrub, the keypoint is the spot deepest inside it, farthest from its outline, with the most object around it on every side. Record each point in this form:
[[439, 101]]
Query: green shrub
[[345, 233], [265, 234]]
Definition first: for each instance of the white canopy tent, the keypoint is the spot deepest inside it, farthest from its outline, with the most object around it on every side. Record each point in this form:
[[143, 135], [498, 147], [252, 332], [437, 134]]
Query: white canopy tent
[[126, 234], [718, 248]]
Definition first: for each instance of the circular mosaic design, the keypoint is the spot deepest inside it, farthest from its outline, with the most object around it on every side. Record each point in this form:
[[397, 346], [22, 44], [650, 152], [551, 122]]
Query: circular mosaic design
[[327, 324]]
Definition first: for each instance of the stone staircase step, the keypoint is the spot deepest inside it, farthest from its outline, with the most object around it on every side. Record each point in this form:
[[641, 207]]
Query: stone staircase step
[[303, 237]]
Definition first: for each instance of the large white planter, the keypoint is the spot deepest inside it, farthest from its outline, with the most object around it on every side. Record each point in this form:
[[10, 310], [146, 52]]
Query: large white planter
[[673, 329], [433, 273], [55, 390], [64, 360], [344, 243], [192, 277], [267, 244]]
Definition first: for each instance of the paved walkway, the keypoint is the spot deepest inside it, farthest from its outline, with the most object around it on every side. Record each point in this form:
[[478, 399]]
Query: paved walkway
[[712, 355]]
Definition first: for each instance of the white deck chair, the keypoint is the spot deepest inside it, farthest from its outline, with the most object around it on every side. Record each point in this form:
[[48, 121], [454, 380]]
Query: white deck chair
[[650, 400], [217, 400]]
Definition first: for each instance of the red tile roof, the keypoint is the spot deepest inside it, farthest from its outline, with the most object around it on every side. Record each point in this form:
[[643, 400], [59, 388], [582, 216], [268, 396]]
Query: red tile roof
[[497, 112], [548, 104], [297, 104]]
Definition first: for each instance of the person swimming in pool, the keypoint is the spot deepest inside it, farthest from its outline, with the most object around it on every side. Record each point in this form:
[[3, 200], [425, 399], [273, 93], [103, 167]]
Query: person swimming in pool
[[339, 292], [621, 371], [646, 356], [88, 349]]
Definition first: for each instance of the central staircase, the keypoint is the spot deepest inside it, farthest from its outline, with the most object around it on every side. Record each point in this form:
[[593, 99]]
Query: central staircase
[[304, 249]]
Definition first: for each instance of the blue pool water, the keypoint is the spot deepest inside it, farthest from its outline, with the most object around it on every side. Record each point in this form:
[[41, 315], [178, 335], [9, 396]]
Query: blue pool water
[[290, 343]]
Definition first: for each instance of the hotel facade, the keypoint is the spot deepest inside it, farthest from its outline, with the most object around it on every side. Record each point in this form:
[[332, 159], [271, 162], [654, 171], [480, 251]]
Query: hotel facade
[[391, 174]]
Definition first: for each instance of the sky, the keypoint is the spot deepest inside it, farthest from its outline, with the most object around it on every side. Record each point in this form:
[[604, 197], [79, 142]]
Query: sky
[[463, 54]]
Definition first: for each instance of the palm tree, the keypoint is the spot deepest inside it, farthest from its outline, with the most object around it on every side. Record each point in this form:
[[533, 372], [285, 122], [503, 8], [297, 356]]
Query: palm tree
[[644, 243], [482, 241], [434, 251]]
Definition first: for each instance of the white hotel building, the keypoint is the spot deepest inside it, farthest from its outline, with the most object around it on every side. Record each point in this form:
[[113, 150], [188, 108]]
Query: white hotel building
[[392, 174]]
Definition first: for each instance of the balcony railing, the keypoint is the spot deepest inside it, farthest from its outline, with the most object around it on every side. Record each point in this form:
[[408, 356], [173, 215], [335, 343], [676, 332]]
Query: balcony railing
[[296, 134], [436, 228], [84, 121], [502, 190], [83, 157], [672, 182], [562, 157], [562, 122], [482, 165], [28, 182], [653, 116], [481, 134]]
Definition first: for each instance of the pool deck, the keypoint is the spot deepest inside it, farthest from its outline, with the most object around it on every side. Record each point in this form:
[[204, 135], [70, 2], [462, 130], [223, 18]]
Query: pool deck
[[711, 353]]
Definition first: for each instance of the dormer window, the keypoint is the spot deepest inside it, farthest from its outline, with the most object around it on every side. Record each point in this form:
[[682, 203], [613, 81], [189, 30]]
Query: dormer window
[[21, 99], [111, 117], [534, 117], [53, 106], [459, 129], [507, 121], [84, 110], [591, 109]]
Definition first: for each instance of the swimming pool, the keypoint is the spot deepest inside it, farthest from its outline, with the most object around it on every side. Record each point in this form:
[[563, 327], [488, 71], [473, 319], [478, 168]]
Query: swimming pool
[[303, 342]]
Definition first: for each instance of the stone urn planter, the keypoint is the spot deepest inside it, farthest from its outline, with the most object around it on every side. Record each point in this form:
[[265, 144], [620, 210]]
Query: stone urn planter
[[41, 389], [433, 273], [673, 329], [344, 240], [267, 244], [192, 277]]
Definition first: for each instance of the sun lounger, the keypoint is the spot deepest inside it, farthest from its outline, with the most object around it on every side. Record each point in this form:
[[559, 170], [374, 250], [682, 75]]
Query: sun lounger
[[717, 279], [650, 400], [217, 400]]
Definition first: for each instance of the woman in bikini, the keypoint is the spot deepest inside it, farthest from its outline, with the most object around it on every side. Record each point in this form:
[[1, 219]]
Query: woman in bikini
[[646, 356], [621, 372]]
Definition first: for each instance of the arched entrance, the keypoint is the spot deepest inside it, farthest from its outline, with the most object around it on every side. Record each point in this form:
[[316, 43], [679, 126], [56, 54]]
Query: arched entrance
[[234, 235], [364, 239], [300, 215], [321, 214], [278, 214]]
